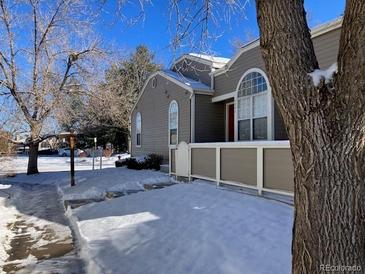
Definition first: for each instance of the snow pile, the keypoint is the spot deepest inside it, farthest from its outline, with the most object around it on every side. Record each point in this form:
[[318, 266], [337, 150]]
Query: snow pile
[[8, 215], [186, 228], [327, 74], [95, 184], [34, 217]]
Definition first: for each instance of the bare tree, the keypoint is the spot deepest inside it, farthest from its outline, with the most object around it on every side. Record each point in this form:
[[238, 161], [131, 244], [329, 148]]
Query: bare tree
[[326, 128], [107, 106], [44, 44]]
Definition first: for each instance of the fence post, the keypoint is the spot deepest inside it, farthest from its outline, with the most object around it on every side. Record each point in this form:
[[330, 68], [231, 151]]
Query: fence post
[[169, 161], [189, 164], [218, 164], [260, 169]]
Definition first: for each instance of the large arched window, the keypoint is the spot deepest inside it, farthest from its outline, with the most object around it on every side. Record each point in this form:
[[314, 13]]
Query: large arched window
[[173, 123], [138, 129], [252, 106]]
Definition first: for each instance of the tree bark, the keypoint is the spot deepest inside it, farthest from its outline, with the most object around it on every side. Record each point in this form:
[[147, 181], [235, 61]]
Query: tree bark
[[33, 159], [326, 128]]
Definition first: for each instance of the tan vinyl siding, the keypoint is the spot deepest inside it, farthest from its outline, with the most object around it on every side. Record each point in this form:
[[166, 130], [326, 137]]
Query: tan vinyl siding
[[154, 106], [278, 169], [203, 162], [209, 120], [326, 48], [239, 165], [194, 70]]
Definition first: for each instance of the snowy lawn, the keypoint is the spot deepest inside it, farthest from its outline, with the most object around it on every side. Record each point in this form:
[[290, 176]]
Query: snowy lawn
[[94, 184], [54, 163], [89, 184], [186, 228]]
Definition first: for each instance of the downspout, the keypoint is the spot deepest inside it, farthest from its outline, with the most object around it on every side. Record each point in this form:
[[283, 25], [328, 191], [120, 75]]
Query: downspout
[[192, 117]]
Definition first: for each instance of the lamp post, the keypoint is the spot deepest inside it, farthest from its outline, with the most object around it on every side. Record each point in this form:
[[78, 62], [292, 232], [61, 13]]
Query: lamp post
[[71, 138]]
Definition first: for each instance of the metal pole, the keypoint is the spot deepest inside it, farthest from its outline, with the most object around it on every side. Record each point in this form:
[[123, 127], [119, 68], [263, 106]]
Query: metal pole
[[94, 153], [72, 158]]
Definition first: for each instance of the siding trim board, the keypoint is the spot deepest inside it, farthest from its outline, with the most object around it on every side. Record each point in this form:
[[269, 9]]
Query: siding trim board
[[224, 97]]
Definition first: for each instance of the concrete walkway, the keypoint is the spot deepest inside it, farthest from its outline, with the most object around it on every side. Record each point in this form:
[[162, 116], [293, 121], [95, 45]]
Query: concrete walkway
[[41, 241]]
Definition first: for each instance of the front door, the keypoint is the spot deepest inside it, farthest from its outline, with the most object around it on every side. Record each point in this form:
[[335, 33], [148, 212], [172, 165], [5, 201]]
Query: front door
[[231, 123]]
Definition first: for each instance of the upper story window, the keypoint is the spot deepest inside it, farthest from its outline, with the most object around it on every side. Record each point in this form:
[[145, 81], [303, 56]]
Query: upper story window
[[138, 129], [173, 123], [252, 107]]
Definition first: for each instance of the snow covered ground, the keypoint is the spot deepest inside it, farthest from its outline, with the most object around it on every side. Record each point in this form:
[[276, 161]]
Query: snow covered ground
[[54, 163], [186, 228]]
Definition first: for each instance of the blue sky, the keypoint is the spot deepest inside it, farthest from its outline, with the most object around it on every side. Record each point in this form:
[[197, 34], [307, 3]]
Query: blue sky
[[153, 30]]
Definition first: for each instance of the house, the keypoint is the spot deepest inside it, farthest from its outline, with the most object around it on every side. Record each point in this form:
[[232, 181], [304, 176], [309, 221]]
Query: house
[[224, 111]]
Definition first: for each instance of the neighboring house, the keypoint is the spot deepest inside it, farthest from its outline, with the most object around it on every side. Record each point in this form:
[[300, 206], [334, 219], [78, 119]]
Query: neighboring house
[[224, 110]]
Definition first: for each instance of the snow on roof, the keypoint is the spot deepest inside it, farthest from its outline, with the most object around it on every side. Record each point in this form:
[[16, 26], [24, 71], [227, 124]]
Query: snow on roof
[[217, 62], [195, 85]]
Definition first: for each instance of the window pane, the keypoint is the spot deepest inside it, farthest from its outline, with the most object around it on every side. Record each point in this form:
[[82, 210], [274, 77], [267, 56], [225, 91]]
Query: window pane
[[260, 129], [173, 136], [244, 108], [260, 105], [138, 123], [173, 116], [244, 132], [138, 139], [173, 120]]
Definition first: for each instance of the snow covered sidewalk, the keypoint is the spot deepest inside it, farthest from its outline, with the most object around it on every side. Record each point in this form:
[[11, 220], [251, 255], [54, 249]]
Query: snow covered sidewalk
[[35, 233], [186, 228]]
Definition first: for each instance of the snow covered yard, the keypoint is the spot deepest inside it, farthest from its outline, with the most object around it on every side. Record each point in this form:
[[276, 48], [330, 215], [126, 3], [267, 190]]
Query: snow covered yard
[[186, 228], [33, 209], [19, 164]]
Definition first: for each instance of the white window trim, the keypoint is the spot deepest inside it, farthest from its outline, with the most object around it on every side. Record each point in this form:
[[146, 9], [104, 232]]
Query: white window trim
[[177, 128], [227, 119], [270, 101], [140, 133]]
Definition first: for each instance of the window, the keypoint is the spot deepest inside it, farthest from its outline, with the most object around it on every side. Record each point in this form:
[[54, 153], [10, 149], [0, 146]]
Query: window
[[252, 100], [138, 129], [173, 123]]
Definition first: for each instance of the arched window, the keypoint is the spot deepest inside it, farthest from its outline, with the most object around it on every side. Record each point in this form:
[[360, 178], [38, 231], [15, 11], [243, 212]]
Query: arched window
[[138, 129], [173, 123], [252, 106]]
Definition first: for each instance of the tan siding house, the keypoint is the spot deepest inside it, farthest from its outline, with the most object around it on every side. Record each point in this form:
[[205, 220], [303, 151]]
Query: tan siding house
[[225, 113], [154, 108]]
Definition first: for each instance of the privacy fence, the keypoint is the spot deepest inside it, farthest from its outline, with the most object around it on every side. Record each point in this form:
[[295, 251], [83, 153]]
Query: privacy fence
[[264, 166]]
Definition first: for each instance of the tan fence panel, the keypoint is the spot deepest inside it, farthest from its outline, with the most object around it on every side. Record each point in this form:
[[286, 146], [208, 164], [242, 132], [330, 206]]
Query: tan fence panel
[[203, 162], [278, 169], [239, 165]]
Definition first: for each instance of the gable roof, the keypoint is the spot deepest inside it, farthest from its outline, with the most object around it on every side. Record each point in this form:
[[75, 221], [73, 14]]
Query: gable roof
[[316, 31], [212, 61], [186, 83]]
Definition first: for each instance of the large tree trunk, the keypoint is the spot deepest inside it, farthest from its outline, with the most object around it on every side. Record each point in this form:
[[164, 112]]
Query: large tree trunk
[[33, 159], [326, 128]]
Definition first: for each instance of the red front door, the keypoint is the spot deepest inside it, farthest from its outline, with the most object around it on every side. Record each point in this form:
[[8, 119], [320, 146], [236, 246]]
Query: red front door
[[231, 123]]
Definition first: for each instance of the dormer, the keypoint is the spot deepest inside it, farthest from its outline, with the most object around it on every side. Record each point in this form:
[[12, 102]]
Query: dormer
[[198, 66]]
